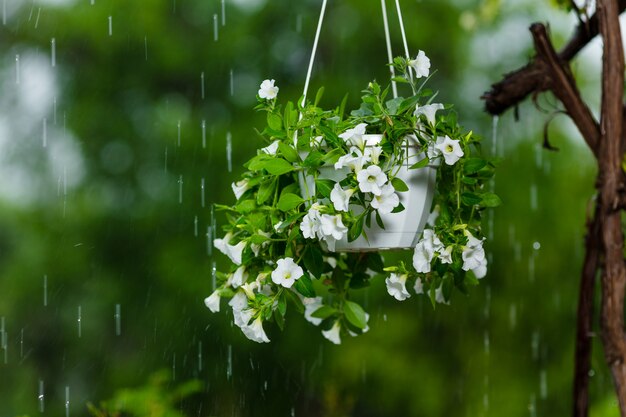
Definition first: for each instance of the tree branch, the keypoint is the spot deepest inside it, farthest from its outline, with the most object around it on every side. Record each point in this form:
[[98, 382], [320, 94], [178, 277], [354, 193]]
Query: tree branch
[[517, 85], [611, 186], [582, 358], [560, 80]]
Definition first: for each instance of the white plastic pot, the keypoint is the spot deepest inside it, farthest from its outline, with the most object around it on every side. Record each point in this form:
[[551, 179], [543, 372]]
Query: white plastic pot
[[402, 230]]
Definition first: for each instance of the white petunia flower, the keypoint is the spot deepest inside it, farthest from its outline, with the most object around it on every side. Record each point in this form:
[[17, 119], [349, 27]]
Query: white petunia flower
[[445, 256], [429, 111], [450, 149], [419, 286], [286, 273], [332, 226], [268, 90], [422, 258], [421, 65], [271, 149], [243, 317], [249, 288], [439, 296], [239, 277], [355, 159], [240, 187], [396, 286], [481, 270], [354, 136], [239, 301], [431, 241], [386, 201], [432, 151], [473, 253], [311, 223], [213, 302], [333, 333], [255, 331], [311, 305], [371, 179], [340, 197], [373, 153], [232, 251]]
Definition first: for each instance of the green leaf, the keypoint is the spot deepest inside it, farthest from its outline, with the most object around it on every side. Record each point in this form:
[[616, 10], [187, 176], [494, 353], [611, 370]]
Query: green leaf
[[400, 80], [324, 187], [399, 185], [324, 312], [288, 152], [490, 200], [356, 229], [258, 239], [421, 164], [278, 166], [265, 191], [470, 199], [392, 105], [399, 208], [296, 301], [280, 320], [473, 165], [375, 262], [333, 156], [379, 221], [355, 314], [304, 286], [289, 201], [408, 103], [274, 121], [282, 305], [313, 260], [246, 206], [318, 96]]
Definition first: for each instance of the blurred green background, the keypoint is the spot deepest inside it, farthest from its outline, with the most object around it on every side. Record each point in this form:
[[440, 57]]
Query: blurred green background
[[114, 113]]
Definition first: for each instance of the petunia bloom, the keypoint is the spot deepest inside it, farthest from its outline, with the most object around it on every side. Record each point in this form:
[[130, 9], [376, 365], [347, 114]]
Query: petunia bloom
[[396, 286], [429, 111], [240, 187], [311, 305], [340, 197], [255, 331], [311, 223], [450, 149], [271, 149], [213, 302], [387, 200], [371, 179], [354, 136], [419, 286], [239, 277], [268, 90], [334, 333], [287, 272], [421, 65], [234, 252], [332, 226], [473, 255]]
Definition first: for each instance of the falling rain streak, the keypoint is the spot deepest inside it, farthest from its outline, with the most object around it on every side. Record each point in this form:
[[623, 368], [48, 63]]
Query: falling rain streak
[[202, 85], [118, 319], [4, 12], [67, 401], [223, 12], [37, 20], [3, 340], [17, 69], [79, 320], [229, 151], [232, 83], [199, 356], [110, 25], [215, 28], [40, 397], [22, 344], [44, 138], [166, 159], [178, 128], [229, 363], [213, 275], [54, 110], [53, 52], [195, 226], [202, 192], [180, 189], [203, 134], [209, 240]]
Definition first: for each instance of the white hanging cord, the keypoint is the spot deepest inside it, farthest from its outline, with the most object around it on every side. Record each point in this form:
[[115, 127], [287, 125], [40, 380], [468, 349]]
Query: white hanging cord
[[406, 45], [317, 36], [394, 88]]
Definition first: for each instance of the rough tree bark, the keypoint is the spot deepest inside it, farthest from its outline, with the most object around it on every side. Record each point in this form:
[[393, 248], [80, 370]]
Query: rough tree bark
[[549, 71]]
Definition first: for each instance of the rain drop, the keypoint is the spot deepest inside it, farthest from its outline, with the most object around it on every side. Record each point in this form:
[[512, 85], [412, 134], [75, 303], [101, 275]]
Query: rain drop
[[4, 12], [3, 340], [54, 110], [93, 2], [543, 384], [45, 290], [536, 245], [229, 151], [532, 406], [223, 13], [229, 363], [202, 85], [215, 28], [37, 20], [299, 23], [40, 397], [180, 189], [53, 52], [118, 319], [67, 401], [79, 320], [202, 192], [494, 135], [195, 226], [199, 356], [213, 275], [174, 368], [232, 83], [203, 134], [21, 343], [145, 46], [44, 136], [110, 25], [17, 69], [209, 241]]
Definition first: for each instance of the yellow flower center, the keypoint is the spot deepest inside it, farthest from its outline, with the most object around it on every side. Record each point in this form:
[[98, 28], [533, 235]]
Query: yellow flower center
[[449, 148]]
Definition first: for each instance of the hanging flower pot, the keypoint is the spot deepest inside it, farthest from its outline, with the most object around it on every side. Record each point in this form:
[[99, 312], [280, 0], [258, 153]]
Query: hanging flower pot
[[397, 229], [332, 189]]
